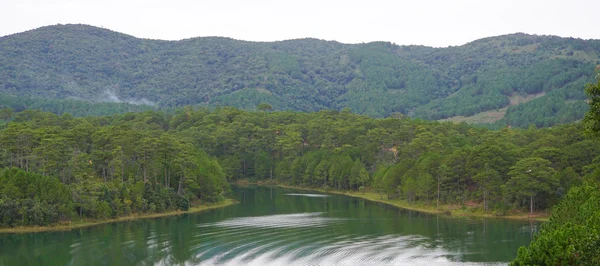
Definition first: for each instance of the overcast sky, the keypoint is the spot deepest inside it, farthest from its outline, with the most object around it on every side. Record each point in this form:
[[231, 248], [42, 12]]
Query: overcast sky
[[429, 22]]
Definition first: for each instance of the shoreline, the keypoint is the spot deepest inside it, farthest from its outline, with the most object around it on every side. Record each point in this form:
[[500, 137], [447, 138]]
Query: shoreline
[[431, 209], [81, 224]]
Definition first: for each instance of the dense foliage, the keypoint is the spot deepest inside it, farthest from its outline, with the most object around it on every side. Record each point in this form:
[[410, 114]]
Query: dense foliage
[[592, 117], [376, 79], [64, 168], [108, 164], [152, 161], [32, 199], [400, 158], [571, 236]]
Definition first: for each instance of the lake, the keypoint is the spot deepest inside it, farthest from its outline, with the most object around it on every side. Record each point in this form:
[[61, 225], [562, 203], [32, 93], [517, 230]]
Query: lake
[[277, 226]]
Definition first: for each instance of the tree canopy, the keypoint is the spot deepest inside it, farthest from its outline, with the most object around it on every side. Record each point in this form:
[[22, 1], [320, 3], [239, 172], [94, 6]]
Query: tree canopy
[[65, 168], [155, 161]]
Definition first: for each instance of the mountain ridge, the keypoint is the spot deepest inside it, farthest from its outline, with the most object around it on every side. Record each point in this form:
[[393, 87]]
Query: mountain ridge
[[308, 74], [516, 34]]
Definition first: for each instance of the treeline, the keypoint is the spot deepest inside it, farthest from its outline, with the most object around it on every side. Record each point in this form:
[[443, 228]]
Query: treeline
[[398, 157], [60, 168], [78, 108], [152, 161], [376, 79]]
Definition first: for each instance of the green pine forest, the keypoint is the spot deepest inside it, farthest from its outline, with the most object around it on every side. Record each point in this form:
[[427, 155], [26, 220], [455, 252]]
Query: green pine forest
[[60, 64], [59, 168], [97, 125]]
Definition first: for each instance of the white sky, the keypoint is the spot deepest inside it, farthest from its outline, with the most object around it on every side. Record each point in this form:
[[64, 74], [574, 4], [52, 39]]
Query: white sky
[[429, 22]]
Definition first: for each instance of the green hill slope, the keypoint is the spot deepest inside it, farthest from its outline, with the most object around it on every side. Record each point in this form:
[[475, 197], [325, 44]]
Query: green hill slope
[[376, 79]]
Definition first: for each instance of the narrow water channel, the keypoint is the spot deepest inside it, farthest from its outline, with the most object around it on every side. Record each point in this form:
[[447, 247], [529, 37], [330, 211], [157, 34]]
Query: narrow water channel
[[276, 226]]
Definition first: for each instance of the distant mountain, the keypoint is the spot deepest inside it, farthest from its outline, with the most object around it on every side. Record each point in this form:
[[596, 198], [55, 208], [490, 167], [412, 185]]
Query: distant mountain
[[376, 79]]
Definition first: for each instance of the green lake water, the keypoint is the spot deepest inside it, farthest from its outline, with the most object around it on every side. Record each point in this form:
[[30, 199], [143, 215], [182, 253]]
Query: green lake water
[[276, 226]]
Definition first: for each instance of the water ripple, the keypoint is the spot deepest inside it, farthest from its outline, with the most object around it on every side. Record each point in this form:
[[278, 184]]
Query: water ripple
[[385, 250], [311, 239]]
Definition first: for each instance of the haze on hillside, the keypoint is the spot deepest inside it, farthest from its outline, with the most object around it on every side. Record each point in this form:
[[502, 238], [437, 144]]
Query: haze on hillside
[[433, 23]]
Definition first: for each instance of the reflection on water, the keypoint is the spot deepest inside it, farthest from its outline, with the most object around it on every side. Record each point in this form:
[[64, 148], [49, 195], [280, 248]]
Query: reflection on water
[[314, 242], [312, 219], [277, 227], [308, 195]]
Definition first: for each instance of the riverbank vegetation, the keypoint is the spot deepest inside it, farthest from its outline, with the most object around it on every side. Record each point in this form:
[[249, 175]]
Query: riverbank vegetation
[[399, 158], [59, 169], [571, 236], [471, 210], [106, 167], [70, 225]]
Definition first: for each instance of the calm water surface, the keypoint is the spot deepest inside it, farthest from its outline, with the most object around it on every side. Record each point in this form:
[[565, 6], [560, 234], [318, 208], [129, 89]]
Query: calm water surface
[[275, 226]]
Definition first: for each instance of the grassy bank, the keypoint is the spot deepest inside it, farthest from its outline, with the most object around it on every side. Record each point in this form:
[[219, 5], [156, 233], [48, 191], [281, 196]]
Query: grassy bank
[[444, 209], [246, 182], [85, 223]]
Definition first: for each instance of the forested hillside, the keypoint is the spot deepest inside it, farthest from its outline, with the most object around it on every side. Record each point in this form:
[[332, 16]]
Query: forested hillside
[[376, 79], [110, 166]]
